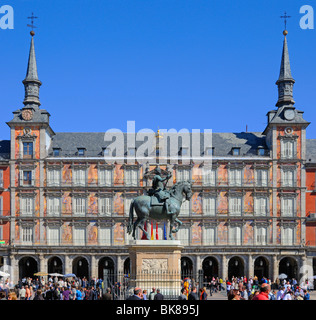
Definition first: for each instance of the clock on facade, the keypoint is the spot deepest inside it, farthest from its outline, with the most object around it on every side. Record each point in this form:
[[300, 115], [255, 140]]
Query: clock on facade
[[289, 114], [27, 114]]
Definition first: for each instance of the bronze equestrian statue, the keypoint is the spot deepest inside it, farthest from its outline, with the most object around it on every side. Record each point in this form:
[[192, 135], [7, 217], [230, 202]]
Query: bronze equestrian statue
[[159, 204]]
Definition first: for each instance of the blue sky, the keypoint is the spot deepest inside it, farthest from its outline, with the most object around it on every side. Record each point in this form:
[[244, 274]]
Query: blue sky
[[195, 64]]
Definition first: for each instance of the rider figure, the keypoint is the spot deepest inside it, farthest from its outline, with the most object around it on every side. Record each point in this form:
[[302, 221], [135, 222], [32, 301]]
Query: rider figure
[[159, 189]]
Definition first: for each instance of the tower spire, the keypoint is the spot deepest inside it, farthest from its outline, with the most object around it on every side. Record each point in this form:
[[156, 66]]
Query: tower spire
[[31, 81], [285, 82]]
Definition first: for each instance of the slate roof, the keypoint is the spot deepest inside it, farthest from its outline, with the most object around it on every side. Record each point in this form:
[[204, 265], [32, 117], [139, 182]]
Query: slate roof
[[93, 143], [4, 150], [310, 151]]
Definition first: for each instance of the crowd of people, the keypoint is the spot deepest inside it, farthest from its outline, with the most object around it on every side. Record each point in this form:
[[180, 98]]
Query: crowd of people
[[236, 288]]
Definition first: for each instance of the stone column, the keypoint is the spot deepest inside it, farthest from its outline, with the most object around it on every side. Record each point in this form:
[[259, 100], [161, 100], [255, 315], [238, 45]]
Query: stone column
[[14, 269], [42, 263], [94, 267], [224, 267], [250, 266], [68, 264], [275, 267]]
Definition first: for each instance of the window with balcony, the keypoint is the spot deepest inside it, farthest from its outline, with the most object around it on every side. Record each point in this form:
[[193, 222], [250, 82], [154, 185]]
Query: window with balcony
[[287, 235], [287, 149], [53, 206], [261, 206], [53, 236], [131, 177], [209, 176], [79, 236], [105, 177], [287, 178], [127, 205], [183, 174], [105, 235], [79, 206], [105, 206], [27, 150], [27, 206], [287, 207], [209, 235], [184, 235], [27, 235], [235, 205], [235, 233], [53, 177], [185, 208], [235, 177], [262, 177], [209, 205], [79, 177], [27, 178], [261, 237]]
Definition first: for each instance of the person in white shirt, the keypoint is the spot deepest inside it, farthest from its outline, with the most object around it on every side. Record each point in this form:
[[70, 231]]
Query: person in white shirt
[[280, 293], [288, 296]]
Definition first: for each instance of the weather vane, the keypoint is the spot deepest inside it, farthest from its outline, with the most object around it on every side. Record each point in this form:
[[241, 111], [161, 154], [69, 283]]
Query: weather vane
[[285, 17], [32, 23]]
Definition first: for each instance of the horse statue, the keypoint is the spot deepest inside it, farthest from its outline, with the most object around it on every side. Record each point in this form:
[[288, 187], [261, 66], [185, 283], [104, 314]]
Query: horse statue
[[145, 210]]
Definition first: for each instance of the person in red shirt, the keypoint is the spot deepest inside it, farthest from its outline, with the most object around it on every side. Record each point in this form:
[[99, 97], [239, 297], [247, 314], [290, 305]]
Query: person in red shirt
[[264, 292]]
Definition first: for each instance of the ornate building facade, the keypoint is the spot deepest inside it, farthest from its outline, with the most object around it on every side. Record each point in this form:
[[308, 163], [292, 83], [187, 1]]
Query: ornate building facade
[[70, 200]]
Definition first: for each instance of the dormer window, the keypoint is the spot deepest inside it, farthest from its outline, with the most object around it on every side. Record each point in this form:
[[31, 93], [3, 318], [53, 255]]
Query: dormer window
[[81, 152], [210, 151], [106, 151], [131, 152], [184, 151], [56, 152], [236, 151], [261, 151]]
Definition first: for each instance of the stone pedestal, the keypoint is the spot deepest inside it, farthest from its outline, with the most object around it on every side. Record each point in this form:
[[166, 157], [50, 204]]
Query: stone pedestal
[[156, 263]]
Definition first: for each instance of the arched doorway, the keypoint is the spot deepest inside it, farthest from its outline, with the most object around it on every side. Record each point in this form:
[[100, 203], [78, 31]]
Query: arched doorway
[[55, 265], [127, 266], [27, 267], [261, 268], [186, 267], [80, 267], [210, 269], [106, 265], [288, 266], [236, 267]]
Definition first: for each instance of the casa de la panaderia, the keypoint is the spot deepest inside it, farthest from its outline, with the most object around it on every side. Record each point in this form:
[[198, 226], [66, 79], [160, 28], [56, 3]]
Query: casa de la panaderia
[[64, 197]]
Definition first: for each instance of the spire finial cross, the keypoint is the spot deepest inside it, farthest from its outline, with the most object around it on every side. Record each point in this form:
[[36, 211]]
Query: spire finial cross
[[285, 17], [32, 21]]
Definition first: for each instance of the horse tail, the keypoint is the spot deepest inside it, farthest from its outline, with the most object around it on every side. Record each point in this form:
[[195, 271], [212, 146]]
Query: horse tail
[[130, 220]]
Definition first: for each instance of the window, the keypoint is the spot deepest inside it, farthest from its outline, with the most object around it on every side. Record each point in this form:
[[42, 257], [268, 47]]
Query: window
[[209, 177], [105, 206], [261, 206], [209, 235], [287, 149], [105, 237], [183, 174], [53, 236], [261, 236], [235, 206], [235, 235], [262, 177], [185, 208], [56, 152], [131, 177], [287, 177], [127, 205], [184, 235], [79, 236], [236, 151], [27, 206], [106, 151], [235, 177], [53, 206], [287, 207], [80, 206], [79, 177], [184, 151], [1, 206], [81, 152], [261, 152], [105, 177], [53, 177], [210, 151], [27, 178], [209, 205], [27, 235], [288, 236], [28, 150], [131, 152]]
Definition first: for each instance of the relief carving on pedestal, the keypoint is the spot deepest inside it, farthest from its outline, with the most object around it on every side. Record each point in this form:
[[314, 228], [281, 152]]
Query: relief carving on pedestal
[[150, 265]]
